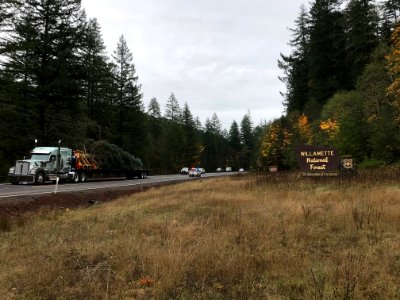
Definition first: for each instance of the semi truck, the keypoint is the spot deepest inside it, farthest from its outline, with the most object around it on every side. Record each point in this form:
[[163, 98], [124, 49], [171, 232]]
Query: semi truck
[[103, 160]]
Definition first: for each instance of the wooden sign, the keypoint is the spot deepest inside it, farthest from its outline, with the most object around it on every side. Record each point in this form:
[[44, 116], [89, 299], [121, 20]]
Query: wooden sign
[[317, 160], [273, 169]]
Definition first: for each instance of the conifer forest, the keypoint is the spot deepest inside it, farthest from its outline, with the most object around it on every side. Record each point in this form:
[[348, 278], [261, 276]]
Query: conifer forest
[[342, 78]]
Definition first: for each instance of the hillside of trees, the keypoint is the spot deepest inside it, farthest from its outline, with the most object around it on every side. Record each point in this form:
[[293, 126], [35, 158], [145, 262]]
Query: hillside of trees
[[343, 84], [58, 83], [342, 80]]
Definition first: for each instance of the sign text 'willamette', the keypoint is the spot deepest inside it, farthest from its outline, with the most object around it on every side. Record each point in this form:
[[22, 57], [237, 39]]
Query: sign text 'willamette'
[[317, 159]]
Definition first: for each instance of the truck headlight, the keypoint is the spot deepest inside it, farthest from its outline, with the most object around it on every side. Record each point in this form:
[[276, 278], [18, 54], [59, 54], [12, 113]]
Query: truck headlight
[[11, 170]]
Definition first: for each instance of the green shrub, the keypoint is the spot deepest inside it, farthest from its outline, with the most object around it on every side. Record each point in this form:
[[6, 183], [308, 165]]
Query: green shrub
[[5, 223], [371, 163]]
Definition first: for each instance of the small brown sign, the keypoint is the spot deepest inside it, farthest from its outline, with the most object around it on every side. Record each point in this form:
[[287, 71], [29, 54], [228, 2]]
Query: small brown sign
[[317, 159], [273, 169]]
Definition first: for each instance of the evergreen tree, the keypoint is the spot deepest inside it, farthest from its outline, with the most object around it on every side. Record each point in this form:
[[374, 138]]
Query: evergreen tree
[[258, 131], [131, 129], [8, 9], [295, 66], [191, 143], [234, 137], [99, 85], [246, 131], [198, 124], [173, 147], [154, 108], [390, 15], [187, 117], [235, 144], [172, 109], [328, 72], [213, 154], [246, 134], [41, 58], [361, 35], [173, 139], [214, 125], [155, 125]]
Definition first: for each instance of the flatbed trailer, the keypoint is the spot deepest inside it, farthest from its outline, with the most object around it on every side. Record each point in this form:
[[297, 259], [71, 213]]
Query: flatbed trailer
[[86, 166]]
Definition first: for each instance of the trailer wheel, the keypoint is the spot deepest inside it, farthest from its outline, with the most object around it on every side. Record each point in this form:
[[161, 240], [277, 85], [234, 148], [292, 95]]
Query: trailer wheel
[[39, 178], [82, 177]]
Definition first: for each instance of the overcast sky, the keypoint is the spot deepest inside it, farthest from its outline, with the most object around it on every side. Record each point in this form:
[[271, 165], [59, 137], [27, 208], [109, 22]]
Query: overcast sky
[[217, 55]]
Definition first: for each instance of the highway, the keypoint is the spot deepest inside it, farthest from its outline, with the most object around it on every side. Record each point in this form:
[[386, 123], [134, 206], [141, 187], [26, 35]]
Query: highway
[[8, 190]]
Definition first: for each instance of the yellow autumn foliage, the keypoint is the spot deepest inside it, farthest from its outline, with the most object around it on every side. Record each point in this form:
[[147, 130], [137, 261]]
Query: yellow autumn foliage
[[274, 142], [304, 128], [393, 60], [270, 140], [331, 127]]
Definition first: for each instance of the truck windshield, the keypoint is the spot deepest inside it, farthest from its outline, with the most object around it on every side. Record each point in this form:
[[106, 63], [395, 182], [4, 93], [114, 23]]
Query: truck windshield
[[41, 157]]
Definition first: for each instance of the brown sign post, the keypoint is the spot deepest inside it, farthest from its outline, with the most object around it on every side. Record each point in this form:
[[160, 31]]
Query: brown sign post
[[317, 160]]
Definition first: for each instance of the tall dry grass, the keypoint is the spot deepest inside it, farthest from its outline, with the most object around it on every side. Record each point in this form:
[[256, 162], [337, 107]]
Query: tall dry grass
[[271, 237]]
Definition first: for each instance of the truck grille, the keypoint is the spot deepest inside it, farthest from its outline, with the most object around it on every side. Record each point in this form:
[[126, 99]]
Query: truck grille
[[21, 168]]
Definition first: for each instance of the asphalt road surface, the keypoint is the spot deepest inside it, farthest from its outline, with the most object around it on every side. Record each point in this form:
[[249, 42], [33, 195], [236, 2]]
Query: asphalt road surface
[[8, 190]]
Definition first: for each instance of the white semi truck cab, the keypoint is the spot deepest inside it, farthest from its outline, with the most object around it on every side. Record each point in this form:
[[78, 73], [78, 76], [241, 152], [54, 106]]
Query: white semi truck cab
[[44, 164]]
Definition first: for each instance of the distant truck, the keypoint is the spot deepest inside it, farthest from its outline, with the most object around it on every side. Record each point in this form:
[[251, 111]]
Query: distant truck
[[50, 163]]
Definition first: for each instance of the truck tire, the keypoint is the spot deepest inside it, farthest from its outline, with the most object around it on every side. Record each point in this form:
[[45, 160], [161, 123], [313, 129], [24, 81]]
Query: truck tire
[[75, 178], [82, 177], [39, 178]]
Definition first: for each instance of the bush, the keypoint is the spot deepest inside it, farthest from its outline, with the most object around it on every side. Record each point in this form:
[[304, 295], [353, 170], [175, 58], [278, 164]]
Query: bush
[[5, 223], [371, 163]]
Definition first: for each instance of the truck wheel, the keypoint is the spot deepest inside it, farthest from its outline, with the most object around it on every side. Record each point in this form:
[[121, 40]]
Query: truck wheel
[[82, 177], [39, 179], [75, 179]]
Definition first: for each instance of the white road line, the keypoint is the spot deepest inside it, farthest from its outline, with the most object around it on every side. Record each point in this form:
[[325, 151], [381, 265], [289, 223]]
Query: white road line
[[63, 188], [82, 190]]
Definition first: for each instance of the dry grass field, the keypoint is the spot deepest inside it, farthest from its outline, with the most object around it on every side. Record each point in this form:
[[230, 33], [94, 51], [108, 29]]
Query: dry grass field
[[246, 237]]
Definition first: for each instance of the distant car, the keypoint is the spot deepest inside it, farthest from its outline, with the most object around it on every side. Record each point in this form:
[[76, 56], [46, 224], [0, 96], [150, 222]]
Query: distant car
[[241, 170], [219, 169], [228, 169], [185, 170], [193, 172]]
